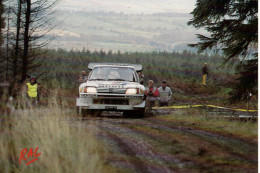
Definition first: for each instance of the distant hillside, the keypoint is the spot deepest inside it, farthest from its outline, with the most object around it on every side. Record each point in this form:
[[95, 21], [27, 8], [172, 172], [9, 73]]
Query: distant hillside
[[124, 32], [130, 7]]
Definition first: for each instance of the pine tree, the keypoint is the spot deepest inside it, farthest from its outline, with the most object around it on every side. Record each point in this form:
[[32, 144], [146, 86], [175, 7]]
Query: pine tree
[[233, 28], [247, 80]]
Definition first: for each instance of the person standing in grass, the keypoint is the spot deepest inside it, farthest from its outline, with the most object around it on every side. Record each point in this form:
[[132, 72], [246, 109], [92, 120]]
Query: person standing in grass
[[151, 94], [165, 94], [33, 91], [204, 74]]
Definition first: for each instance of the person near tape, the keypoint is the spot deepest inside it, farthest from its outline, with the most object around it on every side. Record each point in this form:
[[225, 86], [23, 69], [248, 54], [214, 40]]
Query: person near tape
[[151, 94], [165, 94], [33, 91], [204, 74]]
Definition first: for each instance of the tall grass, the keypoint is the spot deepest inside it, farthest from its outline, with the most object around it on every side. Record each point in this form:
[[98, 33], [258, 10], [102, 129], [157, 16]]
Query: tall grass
[[63, 148]]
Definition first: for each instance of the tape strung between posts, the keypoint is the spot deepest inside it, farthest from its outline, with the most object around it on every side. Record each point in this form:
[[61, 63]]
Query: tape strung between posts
[[194, 106]]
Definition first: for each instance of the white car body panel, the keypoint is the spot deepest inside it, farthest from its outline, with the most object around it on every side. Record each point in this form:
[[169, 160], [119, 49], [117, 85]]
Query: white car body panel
[[111, 95]]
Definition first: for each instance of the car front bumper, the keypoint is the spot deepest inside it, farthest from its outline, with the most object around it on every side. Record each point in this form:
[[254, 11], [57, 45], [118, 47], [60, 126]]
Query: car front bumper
[[110, 102]]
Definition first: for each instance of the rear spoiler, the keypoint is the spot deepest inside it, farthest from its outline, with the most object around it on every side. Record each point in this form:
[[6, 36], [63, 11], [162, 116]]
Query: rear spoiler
[[137, 67]]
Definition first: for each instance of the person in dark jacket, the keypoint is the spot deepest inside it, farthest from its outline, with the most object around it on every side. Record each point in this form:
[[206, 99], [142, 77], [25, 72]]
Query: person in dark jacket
[[204, 74]]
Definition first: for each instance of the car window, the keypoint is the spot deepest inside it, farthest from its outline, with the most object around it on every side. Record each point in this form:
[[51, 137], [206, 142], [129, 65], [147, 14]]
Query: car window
[[113, 74]]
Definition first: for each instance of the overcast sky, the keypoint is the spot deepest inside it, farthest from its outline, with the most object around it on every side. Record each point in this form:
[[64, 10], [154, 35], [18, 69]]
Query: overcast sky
[[130, 6]]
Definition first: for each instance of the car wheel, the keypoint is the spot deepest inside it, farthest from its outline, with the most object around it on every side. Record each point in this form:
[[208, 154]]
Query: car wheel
[[82, 112], [87, 112], [78, 109], [140, 113], [134, 114], [90, 112]]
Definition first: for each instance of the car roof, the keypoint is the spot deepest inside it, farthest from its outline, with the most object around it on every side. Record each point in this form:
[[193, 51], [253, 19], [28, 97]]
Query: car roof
[[137, 67], [113, 66]]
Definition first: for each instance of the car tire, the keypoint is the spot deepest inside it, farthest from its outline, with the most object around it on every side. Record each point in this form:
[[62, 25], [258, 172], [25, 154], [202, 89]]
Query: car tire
[[87, 112], [78, 110], [140, 113], [90, 113], [83, 112]]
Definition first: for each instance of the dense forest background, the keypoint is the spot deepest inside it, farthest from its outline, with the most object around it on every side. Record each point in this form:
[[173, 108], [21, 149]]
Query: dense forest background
[[64, 67]]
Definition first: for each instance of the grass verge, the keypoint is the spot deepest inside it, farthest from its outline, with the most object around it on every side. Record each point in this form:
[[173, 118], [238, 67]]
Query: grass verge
[[201, 119], [62, 147]]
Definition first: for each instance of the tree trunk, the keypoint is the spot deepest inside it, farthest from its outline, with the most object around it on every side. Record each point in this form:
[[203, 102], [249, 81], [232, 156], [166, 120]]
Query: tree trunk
[[18, 26], [26, 40], [7, 44]]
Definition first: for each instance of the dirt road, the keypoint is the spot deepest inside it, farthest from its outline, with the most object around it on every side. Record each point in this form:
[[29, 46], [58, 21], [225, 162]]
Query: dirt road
[[154, 145]]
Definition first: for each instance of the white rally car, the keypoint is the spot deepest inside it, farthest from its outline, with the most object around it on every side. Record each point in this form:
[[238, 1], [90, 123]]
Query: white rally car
[[112, 86]]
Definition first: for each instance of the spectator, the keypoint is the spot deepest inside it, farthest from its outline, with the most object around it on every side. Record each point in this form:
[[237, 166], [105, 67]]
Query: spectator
[[81, 80], [141, 77], [204, 74], [33, 91], [165, 94], [84, 76], [151, 93]]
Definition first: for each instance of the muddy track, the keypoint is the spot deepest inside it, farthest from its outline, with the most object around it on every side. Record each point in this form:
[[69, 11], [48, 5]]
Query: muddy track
[[228, 143], [134, 147], [123, 147], [132, 162], [140, 153]]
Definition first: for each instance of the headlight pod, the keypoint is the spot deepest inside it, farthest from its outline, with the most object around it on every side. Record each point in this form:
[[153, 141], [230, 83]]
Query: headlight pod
[[90, 90], [131, 91]]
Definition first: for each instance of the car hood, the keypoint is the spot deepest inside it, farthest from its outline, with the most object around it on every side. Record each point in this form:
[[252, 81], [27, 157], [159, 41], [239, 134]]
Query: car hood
[[112, 84]]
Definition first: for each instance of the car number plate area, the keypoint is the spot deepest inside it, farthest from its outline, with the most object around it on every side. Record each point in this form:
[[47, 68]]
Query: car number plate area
[[81, 102], [111, 107]]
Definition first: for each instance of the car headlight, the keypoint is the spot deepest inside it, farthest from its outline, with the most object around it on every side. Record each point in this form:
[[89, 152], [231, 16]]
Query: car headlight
[[131, 91], [90, 90]]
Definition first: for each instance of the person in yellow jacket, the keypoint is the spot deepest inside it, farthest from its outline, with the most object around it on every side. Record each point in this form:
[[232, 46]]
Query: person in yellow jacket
[[32, 90], [204, 74]]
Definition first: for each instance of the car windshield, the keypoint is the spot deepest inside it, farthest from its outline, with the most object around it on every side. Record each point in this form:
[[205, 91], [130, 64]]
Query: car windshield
[[113, 74]]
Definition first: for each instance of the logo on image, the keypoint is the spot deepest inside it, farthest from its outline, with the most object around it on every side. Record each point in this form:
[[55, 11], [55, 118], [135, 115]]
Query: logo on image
[[31, 156]]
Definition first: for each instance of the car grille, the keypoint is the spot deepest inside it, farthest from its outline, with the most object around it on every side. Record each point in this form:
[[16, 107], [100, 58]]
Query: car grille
[[111, 101], [111, 90]]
